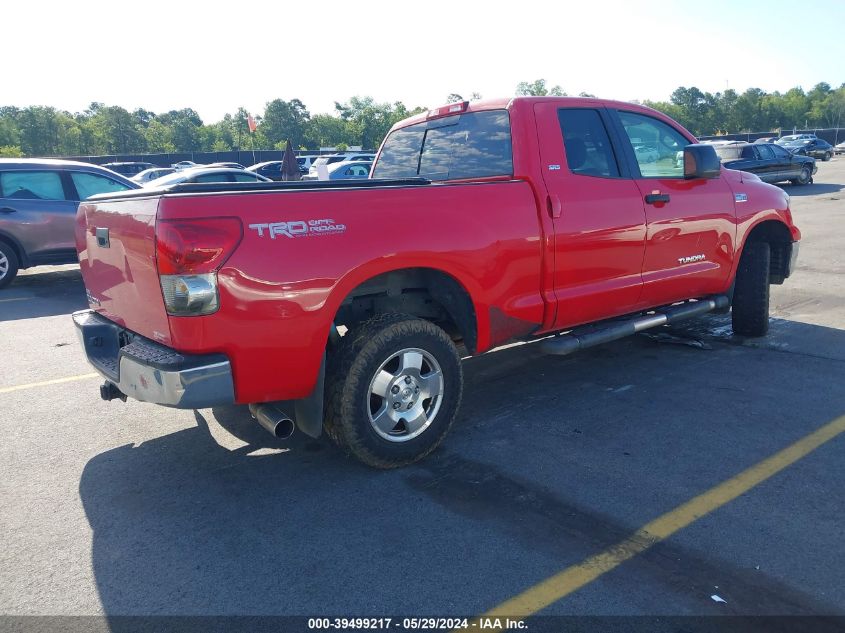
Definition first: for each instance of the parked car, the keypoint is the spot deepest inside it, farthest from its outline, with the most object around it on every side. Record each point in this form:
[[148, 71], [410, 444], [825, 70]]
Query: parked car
[[206, 174], [350, 303], [272, 169], [646, 153], [766, 139], [230, 165], [345, 171], [772, 163], [791, 138], [128, 168], [38, 203], [184, 164], [840, 148], [151, 174], [815, 147], [331, 159]]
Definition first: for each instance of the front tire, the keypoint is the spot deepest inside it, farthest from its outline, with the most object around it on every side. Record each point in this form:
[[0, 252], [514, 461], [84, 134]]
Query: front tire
[[750, 309], [804, 177], [827, 156], [394, 388], [9, 264]]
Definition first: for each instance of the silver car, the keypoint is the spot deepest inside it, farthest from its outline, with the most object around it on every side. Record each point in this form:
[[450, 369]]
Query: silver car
[[38, 202]]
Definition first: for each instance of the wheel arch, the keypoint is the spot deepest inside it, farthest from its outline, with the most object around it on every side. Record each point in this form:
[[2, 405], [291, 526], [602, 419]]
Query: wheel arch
[[23, 260], [777, 234], [424, 291]]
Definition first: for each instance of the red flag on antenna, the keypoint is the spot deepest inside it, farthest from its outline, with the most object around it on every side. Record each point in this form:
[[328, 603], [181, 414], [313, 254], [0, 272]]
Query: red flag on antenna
[[251, 123]]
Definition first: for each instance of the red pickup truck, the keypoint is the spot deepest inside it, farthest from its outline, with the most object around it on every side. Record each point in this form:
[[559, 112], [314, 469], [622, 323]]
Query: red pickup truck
[[343, 305]]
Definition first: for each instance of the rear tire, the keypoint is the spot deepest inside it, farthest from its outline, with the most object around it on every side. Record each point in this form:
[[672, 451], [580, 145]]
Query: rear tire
[[9, 264], [804, 178], [750, 310], [394, 387]]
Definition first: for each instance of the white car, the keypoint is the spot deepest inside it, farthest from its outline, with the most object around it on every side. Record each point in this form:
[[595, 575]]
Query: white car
[[340, 157], [840, 148], [206, 174], [791, 138], [151, 174], [184, 164], [646, 154]]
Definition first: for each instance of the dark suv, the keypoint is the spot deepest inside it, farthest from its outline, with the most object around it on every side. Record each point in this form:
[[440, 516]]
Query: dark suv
[[38, 202]]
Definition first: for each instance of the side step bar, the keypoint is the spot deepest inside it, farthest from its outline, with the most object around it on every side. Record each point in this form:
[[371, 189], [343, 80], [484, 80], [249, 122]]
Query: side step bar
[[589, 336]]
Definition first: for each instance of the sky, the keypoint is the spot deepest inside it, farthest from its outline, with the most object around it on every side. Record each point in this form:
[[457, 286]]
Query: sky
[[215, 57]]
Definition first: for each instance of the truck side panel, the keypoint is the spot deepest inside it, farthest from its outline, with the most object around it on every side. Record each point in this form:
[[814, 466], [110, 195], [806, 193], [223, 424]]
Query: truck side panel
[[303, 252]]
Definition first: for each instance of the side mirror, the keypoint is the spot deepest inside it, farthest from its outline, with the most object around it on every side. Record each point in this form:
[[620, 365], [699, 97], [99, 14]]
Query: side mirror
[[701, 161]]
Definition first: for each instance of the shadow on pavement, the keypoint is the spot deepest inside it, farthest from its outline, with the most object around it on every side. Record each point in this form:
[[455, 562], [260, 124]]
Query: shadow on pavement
[[813, 189], [40, 294], [182, 525]]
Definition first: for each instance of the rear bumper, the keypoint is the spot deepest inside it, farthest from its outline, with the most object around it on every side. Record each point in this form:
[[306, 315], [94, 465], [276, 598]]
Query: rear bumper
[[150, 372]]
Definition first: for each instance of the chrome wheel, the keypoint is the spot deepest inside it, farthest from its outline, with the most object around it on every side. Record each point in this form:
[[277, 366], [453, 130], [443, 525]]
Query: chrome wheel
[[4, 265], [405, 395]]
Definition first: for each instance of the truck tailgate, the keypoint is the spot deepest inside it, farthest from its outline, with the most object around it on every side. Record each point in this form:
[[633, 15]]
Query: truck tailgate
[[116, 244]]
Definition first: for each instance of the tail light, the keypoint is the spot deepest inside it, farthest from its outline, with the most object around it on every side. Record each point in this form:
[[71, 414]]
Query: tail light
[[188, 255]]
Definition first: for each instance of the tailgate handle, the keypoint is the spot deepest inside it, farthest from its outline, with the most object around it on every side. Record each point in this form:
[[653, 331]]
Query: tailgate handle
[[103, 238], [553, 205], [8, 210]]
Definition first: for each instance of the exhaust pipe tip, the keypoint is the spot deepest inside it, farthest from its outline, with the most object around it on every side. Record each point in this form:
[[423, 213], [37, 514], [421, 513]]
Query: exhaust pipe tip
[[276, 421]]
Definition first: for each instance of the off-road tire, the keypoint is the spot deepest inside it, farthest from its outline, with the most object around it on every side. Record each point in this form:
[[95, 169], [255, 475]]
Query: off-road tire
[[750, 309], [8, 255], [352, 365], [805, 178]]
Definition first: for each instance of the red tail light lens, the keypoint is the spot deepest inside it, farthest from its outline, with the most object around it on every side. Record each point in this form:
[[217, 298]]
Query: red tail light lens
[[193, 247]]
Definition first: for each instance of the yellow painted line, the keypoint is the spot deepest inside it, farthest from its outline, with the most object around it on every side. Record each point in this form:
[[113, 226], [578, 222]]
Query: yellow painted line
[[46, 383], [14, 299], [573, 578]]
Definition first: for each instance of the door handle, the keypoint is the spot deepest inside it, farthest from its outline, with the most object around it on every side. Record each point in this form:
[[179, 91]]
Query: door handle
[[653, 198], [8, 210], [553, 205]]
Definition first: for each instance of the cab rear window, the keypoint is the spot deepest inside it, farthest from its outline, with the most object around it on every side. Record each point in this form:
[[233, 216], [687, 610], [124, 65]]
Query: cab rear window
[[470, 145]]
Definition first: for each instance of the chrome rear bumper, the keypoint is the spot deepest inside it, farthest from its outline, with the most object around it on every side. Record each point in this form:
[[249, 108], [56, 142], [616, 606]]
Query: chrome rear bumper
[[150, 372]]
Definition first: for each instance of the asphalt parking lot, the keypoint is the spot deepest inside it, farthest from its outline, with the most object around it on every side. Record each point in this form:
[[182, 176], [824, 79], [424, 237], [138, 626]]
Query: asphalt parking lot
[[130, 509]]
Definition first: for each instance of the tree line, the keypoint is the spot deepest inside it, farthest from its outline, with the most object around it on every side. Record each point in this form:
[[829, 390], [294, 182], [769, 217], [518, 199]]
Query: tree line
[[103, 129]]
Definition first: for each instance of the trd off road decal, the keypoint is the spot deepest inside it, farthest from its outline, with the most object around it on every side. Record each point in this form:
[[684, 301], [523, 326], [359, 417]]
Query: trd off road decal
[[298, 228]]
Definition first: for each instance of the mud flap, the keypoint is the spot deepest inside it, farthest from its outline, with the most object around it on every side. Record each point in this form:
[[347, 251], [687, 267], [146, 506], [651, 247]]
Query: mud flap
[[308, 412]]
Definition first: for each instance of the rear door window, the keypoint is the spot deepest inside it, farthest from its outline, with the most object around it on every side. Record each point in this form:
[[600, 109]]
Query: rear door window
[[471, 145], [31, 185], [586, 143], [90, 184]]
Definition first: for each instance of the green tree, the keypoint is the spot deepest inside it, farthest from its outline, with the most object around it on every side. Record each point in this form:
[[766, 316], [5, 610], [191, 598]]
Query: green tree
[[325, 130], [537, 88], [829, 111], [159, 138], [284, 120]]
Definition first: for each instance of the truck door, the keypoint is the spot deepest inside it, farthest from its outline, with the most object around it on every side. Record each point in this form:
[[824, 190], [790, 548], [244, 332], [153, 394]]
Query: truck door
[[691, 223], [597, 212]]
